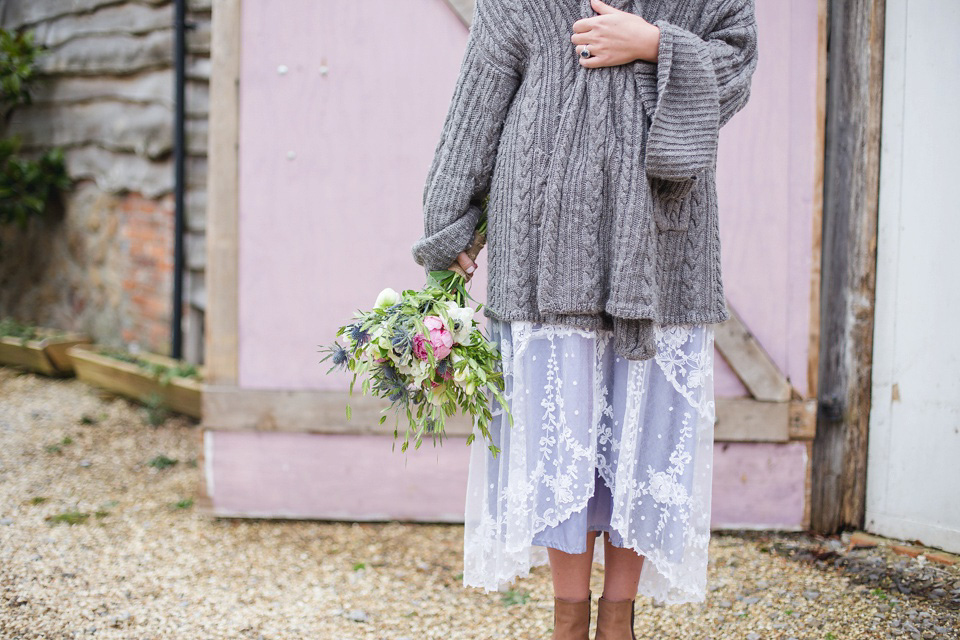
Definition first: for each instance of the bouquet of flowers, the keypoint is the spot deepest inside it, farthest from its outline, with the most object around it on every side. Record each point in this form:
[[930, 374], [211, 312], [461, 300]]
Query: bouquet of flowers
[[424, 352]]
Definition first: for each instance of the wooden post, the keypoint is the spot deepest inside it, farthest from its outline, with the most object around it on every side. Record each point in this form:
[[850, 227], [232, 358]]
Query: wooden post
[[851, 185], [220, 334]]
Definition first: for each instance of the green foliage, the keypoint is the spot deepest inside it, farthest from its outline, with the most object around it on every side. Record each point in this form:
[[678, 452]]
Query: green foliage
[[514, 596], [162, 462], [69, 517], [157, 410], [27, 185], [186, 503], [18, 56], [12, 328]]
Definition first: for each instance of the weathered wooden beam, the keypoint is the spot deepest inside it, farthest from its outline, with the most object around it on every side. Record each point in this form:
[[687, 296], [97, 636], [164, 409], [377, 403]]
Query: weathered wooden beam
[[749, 420], [110, 54], [234, 409], [27, 13], [126, 18], [221, 334], [231, 408], [759, 374], [813, 339], [146, 130], [852, 160], [464, 9], [114, 171]]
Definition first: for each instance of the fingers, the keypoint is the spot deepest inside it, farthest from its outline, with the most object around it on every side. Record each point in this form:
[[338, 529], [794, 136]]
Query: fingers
[[468, 265], [596, 59]]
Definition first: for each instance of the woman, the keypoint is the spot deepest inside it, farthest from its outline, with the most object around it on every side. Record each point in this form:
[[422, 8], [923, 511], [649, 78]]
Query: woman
[[593, 129]]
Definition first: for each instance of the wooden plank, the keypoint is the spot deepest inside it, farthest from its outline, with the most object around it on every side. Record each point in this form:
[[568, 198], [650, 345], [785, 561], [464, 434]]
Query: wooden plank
[[464, 9], [116, 172], [313, 411], [29, 356], [851, 170], [19, 14], [746, 419], [231, 408], [123, 18], [110, 54], [813, 348], [802, 424], [146, 132], [220, 335], [749, 361], [127, 379], [46, 355]]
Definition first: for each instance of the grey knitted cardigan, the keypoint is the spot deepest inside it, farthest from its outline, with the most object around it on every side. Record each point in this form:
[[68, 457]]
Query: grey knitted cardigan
[[602, 208]]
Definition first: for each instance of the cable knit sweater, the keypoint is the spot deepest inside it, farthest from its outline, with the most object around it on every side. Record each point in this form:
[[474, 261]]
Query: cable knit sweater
[[602, 209]]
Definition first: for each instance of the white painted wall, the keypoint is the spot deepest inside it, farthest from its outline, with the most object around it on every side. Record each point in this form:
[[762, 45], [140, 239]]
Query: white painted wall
[[913, 479]]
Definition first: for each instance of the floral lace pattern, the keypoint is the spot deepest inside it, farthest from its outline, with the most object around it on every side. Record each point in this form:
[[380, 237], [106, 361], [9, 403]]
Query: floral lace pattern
[[579, 409]]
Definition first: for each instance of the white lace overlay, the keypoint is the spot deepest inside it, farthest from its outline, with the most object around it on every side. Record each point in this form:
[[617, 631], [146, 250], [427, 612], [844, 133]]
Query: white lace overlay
[[645, 425]]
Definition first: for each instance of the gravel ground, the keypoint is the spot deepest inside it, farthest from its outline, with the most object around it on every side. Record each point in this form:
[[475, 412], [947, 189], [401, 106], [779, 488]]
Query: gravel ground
[[140, 561]]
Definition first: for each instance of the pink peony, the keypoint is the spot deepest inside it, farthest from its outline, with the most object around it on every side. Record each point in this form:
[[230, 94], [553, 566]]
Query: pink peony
[[439, 338], [419, 350]]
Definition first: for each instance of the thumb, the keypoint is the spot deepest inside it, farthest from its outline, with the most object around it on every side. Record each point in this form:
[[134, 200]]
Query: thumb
[[602, 7]]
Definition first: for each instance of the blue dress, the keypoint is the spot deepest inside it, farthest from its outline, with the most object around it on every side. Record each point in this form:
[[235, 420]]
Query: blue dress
[[598, 443]]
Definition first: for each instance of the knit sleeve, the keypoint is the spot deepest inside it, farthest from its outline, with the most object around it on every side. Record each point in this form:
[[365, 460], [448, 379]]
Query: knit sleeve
[[696, 86], [459, 176]]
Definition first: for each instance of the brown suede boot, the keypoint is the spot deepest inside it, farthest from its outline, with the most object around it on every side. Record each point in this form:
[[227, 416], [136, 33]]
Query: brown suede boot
[[571, 620], [615, 620]]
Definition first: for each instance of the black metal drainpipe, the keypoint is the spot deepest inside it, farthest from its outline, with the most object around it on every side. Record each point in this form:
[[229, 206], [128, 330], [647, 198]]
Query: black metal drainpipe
[[179, 153]]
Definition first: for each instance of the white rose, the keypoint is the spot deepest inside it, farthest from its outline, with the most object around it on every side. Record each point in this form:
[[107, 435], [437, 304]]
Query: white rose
[[388, 297]]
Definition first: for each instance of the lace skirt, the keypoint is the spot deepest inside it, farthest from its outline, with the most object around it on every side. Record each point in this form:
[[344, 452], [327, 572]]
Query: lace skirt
[[598, 442]]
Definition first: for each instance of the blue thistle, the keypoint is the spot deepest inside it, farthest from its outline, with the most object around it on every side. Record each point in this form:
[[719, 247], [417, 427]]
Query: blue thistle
[[358, 334], [338, 355]]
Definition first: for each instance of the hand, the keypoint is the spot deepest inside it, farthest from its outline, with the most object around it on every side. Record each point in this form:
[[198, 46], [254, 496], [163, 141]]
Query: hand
[[468, 265], [614, 37]]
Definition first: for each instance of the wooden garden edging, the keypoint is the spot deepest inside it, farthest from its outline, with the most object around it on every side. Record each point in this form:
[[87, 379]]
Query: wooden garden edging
[[47, 355], [183, 395]]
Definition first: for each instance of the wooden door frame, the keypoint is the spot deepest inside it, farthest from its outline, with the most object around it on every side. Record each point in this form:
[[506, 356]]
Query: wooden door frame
[[851, 202]]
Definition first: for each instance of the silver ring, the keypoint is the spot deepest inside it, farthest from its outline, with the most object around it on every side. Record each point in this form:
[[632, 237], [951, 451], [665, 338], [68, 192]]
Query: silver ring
[[585, 53]]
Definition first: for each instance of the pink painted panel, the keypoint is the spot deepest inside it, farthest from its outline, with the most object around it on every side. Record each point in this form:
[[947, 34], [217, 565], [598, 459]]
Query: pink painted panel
[[341, 109], [758, 484], [339, 477], [766, 188], [347, 477]]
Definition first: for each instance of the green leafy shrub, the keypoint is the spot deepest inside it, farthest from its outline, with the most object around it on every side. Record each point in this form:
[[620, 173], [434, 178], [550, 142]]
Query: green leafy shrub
[[27, 185]]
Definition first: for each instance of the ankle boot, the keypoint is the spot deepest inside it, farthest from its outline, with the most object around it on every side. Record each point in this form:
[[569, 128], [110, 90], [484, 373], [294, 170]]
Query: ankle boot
[[615, 620], [571, 620]]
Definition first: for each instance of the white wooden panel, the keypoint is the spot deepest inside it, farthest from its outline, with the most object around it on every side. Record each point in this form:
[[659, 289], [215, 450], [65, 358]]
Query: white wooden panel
[[913, 477]]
